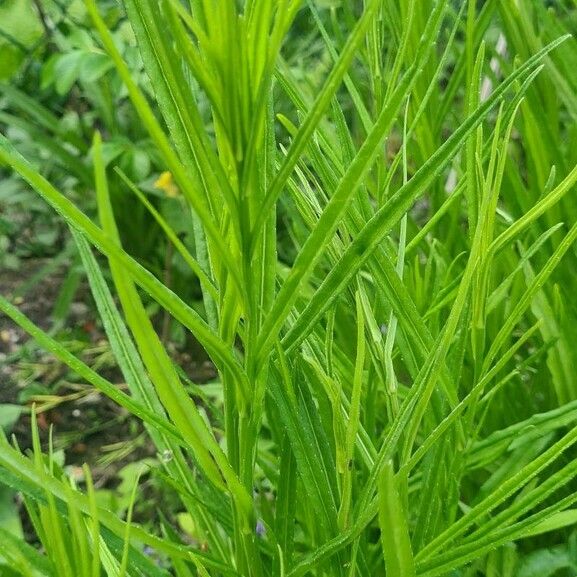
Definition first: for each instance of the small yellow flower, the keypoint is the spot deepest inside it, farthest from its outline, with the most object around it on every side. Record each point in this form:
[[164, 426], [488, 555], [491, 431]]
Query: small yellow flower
[[166, 183]]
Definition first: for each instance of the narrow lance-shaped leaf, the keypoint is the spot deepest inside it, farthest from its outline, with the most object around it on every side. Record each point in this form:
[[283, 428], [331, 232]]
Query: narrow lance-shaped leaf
[[219, 351], [320, 236], [315, 114], [172, 161], [395, 539], [13, 461], [376, 229], [173, 395], [124, 400]]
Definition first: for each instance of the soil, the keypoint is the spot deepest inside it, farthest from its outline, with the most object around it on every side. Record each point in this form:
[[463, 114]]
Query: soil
[[36, 305], [84, 426], [87, 425]]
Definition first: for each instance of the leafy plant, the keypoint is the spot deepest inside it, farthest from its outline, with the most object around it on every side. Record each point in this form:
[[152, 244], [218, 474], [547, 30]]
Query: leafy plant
[[67, 87], [395, 393], [19, 34]]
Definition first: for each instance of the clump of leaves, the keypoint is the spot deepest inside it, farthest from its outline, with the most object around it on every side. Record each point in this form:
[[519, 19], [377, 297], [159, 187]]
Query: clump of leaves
[[396, 393]]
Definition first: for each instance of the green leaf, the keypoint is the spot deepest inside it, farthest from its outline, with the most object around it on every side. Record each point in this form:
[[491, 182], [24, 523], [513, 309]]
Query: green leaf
[[103, 242], [394, 528], [9, 415]]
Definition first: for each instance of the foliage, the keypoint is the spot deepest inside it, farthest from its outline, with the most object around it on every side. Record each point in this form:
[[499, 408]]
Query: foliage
[[384, 244], [66, 88]]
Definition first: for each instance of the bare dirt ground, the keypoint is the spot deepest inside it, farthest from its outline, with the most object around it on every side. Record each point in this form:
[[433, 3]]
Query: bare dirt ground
[[88, 426]]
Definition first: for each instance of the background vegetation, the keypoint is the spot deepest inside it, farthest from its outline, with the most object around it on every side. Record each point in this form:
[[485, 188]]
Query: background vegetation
[[329, 327]]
